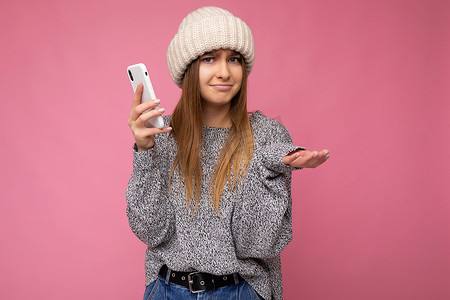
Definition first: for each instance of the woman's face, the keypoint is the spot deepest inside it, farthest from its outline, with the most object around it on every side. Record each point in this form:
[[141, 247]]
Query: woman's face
[[220, 76]]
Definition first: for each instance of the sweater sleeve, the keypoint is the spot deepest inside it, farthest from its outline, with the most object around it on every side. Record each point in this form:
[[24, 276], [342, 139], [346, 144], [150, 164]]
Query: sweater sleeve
[[262, 224], [148, 208], [271, 154]]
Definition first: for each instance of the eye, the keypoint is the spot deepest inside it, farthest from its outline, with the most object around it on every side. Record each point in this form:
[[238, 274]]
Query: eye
[[235, 59], [208, 59]]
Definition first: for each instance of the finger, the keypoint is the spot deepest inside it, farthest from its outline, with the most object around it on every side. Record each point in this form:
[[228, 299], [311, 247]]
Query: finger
[[288, 159], [302, 161], [300, 151], [324, 152], [150, 114], [143, 134], [137, 96], [320, 161], [326, 155], [136, 100], [308, 156], [311, 159], [321, 158], [163, 130], [321, 154], [138, 110]]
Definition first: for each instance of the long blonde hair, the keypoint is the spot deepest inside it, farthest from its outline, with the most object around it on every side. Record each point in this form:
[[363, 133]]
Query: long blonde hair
[[236, 154]]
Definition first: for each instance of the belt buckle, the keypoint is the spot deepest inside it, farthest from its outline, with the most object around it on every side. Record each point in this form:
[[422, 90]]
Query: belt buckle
[[191, 283]]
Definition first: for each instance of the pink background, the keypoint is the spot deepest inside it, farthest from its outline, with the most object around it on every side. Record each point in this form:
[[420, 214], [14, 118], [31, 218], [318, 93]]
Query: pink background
[[368, 80]]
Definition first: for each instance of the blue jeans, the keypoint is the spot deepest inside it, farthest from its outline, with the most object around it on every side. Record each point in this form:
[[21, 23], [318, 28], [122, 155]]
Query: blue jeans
[[159, 290]]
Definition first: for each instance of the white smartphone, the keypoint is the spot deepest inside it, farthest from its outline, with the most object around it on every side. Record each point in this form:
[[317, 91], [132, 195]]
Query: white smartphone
[[138, 73]]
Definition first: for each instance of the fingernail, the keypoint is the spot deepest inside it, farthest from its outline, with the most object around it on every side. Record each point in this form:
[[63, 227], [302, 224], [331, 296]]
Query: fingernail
[[169, 128], [161, 109], [156, 101], [315, 155], [297, 155], [326, 153]]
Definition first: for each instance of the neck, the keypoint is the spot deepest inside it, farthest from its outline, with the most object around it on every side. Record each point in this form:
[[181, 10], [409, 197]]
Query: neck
[[216, 116]]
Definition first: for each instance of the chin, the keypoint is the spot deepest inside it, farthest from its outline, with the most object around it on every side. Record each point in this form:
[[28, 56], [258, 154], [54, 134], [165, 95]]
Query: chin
[[218, 100], [219, 103]]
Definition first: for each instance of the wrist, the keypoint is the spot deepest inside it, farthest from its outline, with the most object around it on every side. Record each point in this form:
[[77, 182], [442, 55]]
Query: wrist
[[140, 148]]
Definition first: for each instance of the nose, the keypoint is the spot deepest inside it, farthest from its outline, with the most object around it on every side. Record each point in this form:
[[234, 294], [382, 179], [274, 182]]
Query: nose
[[223, 71]]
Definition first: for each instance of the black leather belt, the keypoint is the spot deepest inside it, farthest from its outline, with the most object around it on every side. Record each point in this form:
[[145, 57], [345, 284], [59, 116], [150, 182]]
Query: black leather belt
[[198, 282]]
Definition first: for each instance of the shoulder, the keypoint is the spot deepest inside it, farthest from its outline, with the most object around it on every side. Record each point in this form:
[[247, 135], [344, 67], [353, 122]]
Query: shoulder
[[267, 130], [261, 122]]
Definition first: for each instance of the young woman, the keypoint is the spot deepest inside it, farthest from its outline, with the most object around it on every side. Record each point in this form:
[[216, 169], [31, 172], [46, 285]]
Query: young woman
[[210, 195]]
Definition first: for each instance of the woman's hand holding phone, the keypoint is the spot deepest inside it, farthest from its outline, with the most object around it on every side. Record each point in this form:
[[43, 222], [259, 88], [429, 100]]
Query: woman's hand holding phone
[[144, 137]]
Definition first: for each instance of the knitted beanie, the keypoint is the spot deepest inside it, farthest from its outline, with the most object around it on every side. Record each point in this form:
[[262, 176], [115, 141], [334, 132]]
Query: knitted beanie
[[206, 29]]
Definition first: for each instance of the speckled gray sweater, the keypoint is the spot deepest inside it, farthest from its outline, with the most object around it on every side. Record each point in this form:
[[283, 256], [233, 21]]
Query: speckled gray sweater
[[255, 224]]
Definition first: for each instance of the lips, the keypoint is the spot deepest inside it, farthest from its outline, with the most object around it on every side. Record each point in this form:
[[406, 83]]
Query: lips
[[222, 87]]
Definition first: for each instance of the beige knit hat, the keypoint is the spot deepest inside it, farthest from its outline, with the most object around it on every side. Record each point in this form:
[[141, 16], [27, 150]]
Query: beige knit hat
[[206, 29]]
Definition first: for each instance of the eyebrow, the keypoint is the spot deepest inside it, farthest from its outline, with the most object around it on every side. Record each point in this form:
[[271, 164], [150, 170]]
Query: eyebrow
[[213, 53]]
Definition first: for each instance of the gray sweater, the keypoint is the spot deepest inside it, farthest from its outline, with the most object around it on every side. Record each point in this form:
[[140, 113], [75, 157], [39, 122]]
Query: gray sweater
[[255, 223]]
